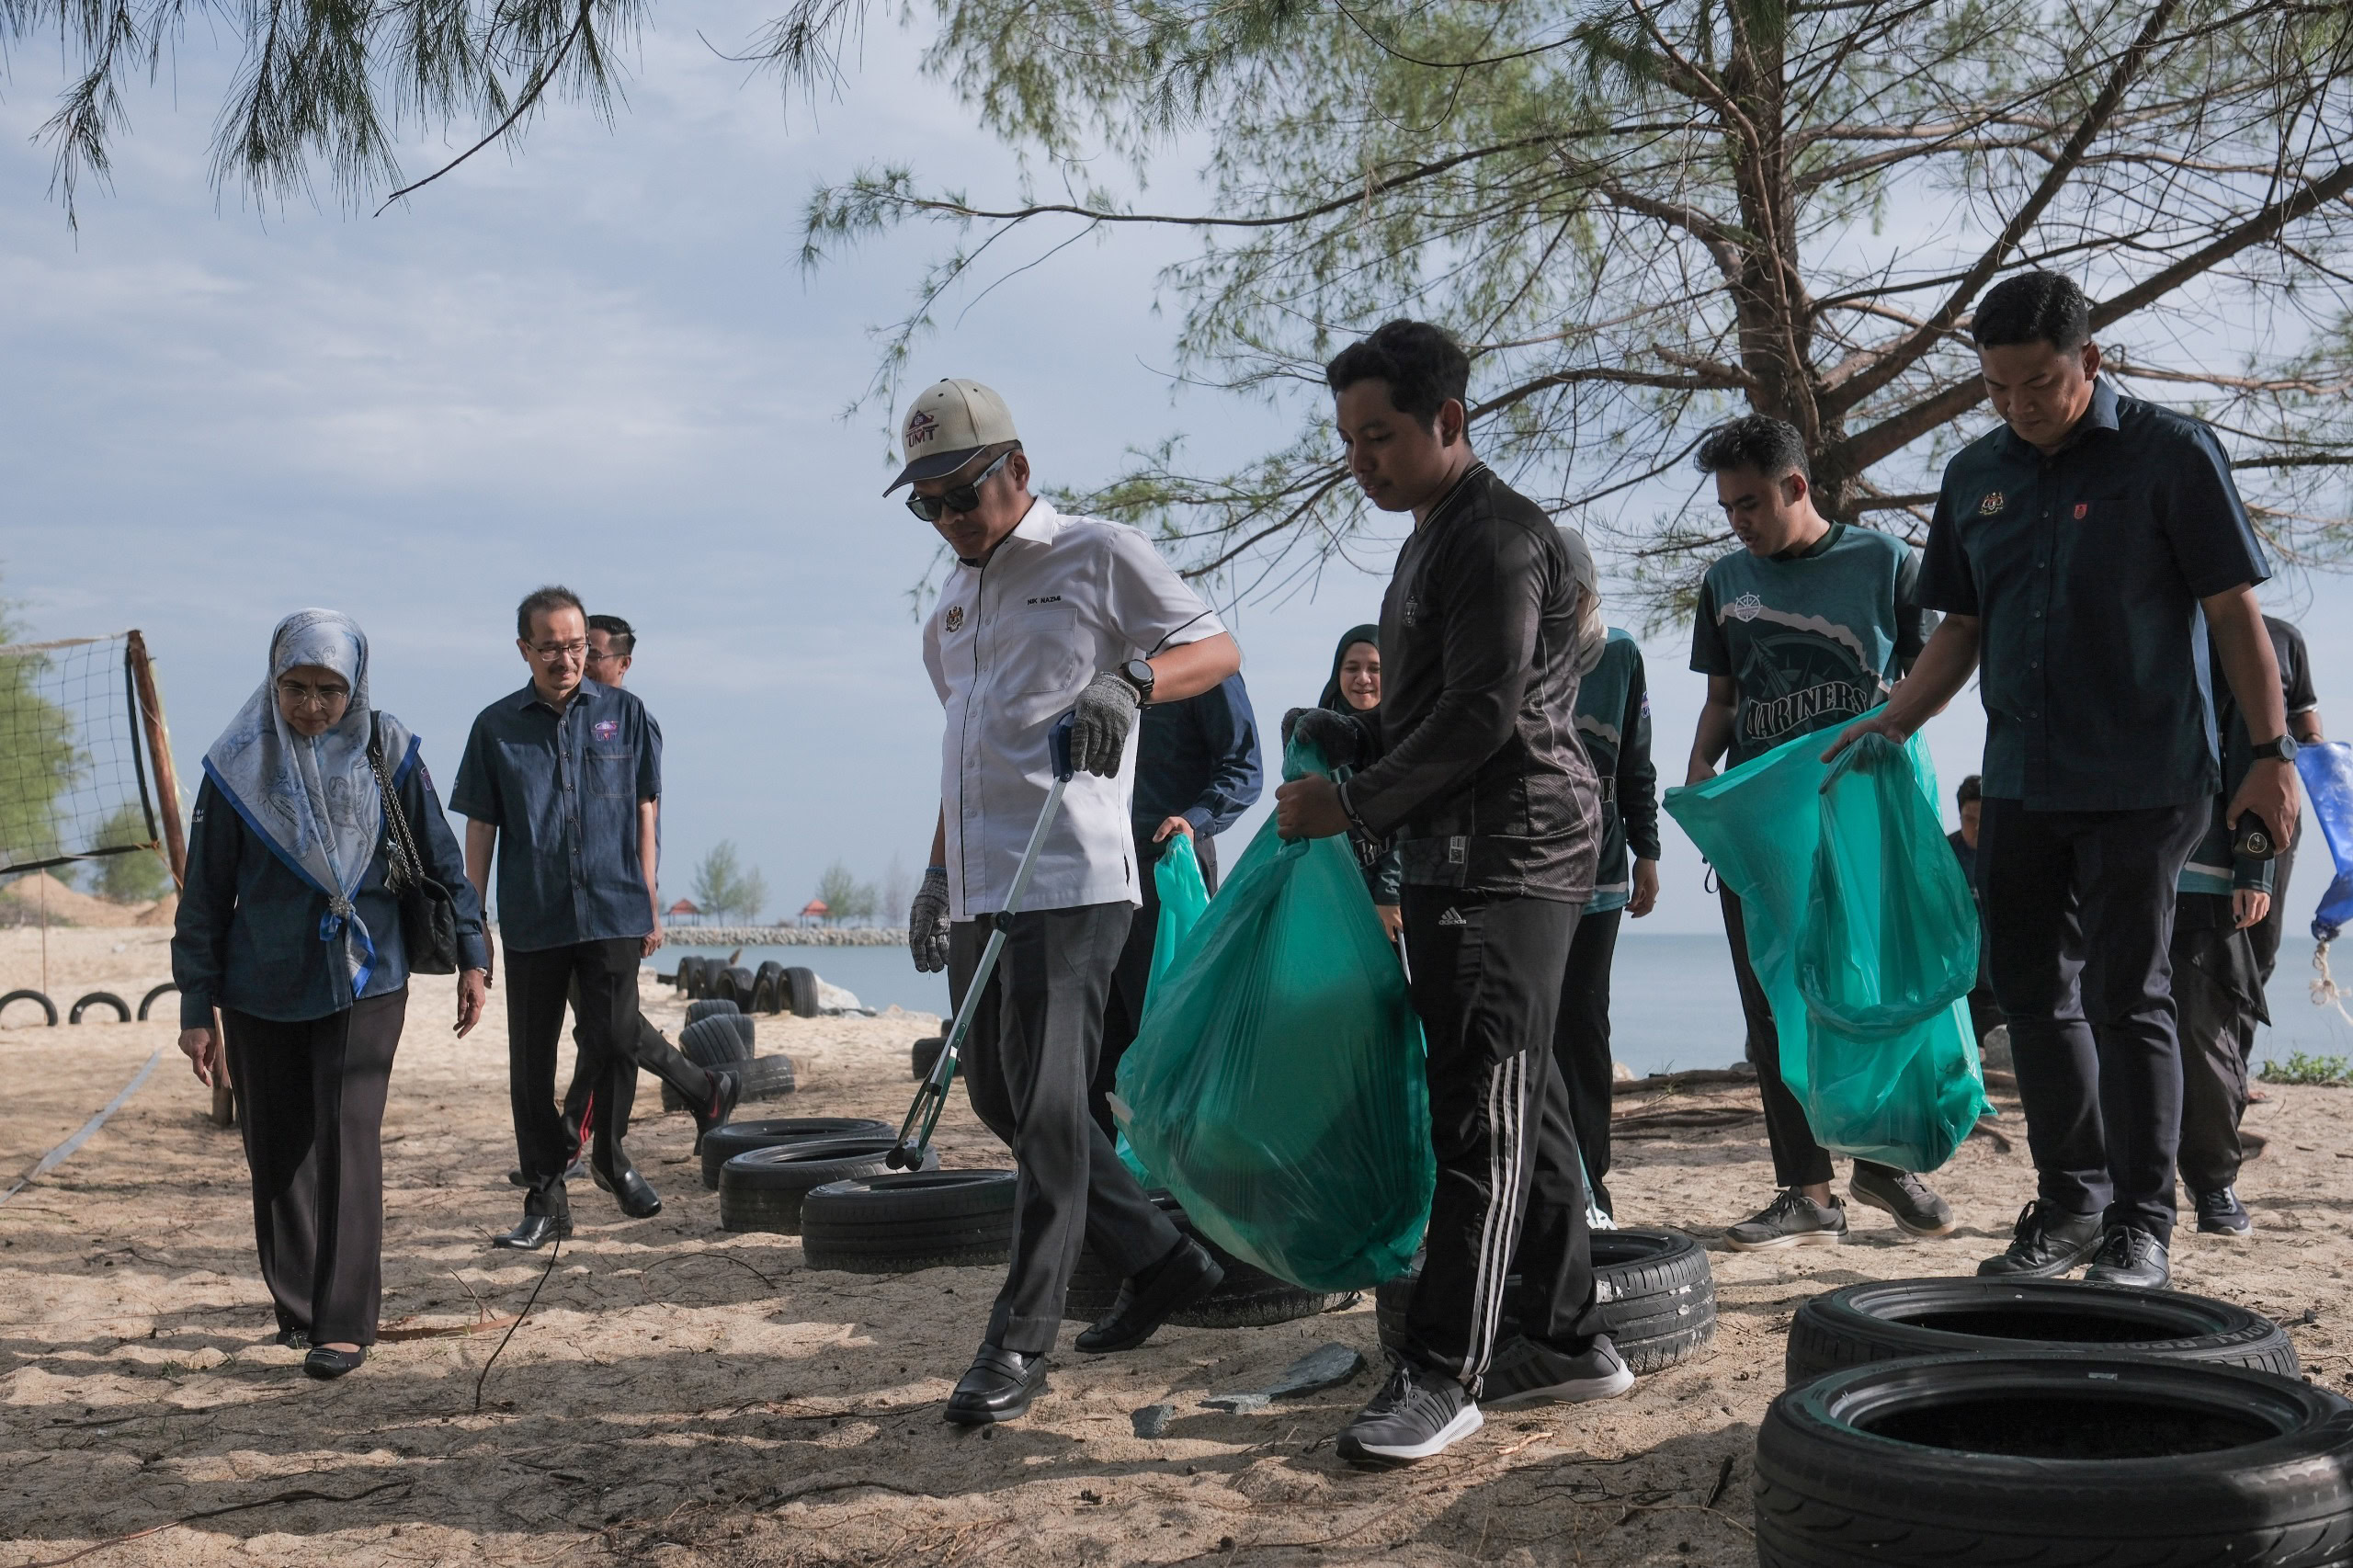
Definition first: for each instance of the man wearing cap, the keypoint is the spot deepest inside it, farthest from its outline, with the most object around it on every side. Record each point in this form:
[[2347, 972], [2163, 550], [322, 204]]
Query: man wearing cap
[[1042, 615]]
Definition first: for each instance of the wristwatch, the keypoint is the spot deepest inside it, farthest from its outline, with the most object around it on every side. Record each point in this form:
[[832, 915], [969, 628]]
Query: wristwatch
[[2281, 750], [1138, 673]]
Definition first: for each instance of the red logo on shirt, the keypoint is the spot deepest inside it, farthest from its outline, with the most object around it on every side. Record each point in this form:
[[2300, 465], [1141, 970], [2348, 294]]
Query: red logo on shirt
[[2083, 510]]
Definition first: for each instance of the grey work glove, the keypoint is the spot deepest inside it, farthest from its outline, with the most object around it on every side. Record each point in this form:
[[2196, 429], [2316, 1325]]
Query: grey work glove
[[1339, 737], [928, 923], [1099, 736]]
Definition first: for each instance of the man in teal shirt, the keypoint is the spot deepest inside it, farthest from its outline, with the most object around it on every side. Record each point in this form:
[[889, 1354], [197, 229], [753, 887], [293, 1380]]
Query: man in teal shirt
[[1804, 628]]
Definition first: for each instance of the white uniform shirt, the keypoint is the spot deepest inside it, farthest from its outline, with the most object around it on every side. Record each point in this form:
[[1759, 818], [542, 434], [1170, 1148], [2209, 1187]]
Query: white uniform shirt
[[1009, 646]]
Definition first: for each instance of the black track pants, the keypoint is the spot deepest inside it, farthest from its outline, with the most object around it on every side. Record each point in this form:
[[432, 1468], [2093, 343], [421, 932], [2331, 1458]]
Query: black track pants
[[1581, 1042], [1027, 1064], [1486, 981], [538, 986], [2214, 989]]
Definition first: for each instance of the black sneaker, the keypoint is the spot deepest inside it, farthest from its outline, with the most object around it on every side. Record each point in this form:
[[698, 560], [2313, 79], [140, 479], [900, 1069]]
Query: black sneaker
[[1415, 1415], [1792, 1220], [1527, 1373], [2220, 1213], [2131, 1255], [1918, 1210], [2046, 1244]]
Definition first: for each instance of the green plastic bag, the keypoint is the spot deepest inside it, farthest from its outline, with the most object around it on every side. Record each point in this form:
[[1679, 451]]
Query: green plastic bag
[[1276, 1088], [1183, 896], [1863, 935]]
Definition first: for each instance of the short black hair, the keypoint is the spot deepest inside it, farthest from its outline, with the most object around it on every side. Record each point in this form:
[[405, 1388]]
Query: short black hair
[[1423, 365], [619, 636], [543, 601], [1772, 446], [2033, 307], [1973, 790]]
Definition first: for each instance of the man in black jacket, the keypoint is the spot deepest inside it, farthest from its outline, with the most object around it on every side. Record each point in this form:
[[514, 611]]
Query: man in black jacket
[[1476, 771]]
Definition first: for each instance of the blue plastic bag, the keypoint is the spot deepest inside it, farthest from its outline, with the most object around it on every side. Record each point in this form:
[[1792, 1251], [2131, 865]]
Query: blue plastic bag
[[2326, 769], [1863, 935], [1276, 1088]]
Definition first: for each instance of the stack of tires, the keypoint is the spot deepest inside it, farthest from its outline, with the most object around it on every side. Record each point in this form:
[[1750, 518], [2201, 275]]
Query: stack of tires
[[1654, 1288], [718, 1035], [771, 988], [762, 1188], [1982, 1420]]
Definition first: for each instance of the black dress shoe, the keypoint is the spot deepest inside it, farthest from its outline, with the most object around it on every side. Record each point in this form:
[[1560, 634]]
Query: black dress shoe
[[327, 1365], [2047, 1245], [637, 1197], [726, 1088], [1146, 1301], [2131, 1255], [294, 1338], [535, 1232], [998, 1387]]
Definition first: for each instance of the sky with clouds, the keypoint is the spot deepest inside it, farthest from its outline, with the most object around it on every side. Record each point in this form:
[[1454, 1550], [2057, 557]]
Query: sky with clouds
[[598, 361]]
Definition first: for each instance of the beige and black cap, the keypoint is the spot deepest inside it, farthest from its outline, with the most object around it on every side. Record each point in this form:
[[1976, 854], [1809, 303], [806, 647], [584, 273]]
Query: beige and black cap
[[950, 422]]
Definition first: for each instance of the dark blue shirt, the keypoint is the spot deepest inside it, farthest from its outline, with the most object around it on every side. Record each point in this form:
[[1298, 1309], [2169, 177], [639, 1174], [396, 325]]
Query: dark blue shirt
[[247, 933], [2084, 569], [563, 790], [1198, 759]]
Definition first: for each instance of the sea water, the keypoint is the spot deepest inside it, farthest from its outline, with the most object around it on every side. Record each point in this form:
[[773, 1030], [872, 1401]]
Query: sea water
[[1673, 1003]]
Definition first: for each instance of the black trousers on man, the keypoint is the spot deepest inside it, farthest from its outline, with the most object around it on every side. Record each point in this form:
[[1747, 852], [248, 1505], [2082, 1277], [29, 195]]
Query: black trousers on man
[[1486, 981], [1027, 1063], [538, 986], [2079, 909], [650, 1050], [2218, 1001], [1123, 1016], [1581, 1042], [310, 1108], [1798, 1159]]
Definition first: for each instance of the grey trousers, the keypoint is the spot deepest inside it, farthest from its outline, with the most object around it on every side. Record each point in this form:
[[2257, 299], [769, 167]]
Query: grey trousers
[[2218, 1001], [1028, 1065]]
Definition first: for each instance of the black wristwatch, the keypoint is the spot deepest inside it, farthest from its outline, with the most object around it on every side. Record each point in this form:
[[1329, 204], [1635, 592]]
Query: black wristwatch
[[1138, 673], [2281, 750]]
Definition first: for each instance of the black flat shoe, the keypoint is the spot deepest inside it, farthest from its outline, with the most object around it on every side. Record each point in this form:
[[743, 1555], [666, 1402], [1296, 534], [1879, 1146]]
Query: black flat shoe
[[726, 1088], [1146, 1301], [293, 1338], [327, 1365], [637, 1200], [535, 1232], [999, 1387]]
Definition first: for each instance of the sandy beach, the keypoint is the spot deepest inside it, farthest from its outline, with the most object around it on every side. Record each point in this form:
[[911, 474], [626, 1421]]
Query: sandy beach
[[681, 1395]]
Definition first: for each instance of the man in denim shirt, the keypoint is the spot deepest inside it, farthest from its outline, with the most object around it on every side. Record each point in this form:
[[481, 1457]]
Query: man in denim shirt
[[561, 780]]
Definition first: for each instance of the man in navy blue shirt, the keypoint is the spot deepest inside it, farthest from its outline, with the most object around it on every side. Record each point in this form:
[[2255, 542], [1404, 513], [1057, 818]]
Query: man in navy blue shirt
[[561, 780], [1198, 769], [2072, 553]]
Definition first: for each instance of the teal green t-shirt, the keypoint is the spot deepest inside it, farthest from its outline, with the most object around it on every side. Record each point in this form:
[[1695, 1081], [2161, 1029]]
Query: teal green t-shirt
[[1811, 638]]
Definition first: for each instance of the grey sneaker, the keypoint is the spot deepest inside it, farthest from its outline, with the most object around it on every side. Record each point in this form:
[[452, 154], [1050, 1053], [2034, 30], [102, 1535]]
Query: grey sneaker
[[1792, 1220], [1527, 1373], [1917, 1209], [1415, 1415], [2220, 1213], [2046, 1244], [2131, 1255]]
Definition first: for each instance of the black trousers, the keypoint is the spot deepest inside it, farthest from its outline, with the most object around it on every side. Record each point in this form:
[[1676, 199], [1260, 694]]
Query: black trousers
[[1486, 981], [2079, 914], [1027, 1064], [2263, 937], [650, 1050], [538, 984], [311, 1108], [1799, 1159], [2216, 998], [1581, 1042], [1123, 1015]]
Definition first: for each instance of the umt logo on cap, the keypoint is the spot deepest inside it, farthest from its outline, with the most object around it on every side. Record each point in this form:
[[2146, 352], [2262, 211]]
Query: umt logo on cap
[[922, 425]]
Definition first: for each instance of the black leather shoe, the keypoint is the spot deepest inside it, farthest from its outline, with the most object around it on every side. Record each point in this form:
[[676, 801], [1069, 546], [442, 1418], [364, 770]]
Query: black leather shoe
[[637, 1199], [2047, 1245], [327, 1365], [535, 1232], [2131, 1255], [998, 1387], [1145, 1302], [294, 1338], [726, 1088]]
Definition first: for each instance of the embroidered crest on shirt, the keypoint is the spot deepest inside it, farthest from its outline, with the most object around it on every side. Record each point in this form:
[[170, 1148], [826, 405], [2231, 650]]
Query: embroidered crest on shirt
[[1995, 501], [2083, 510], [605, 729], [922, 425], [1411, 612], [1746, 607], [954, 619]]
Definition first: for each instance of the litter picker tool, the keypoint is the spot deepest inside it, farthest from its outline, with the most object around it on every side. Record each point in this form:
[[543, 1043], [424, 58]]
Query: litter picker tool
[[915, 1133]]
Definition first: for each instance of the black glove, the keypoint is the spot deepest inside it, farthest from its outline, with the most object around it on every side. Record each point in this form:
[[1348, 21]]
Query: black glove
[[928, 923], [1340, 737]]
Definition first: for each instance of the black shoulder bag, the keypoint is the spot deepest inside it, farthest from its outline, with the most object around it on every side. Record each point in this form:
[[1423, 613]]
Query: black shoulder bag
[[428, 912]]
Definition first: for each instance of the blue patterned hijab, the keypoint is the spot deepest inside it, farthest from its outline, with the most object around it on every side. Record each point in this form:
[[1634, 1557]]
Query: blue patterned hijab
[[314, 799]]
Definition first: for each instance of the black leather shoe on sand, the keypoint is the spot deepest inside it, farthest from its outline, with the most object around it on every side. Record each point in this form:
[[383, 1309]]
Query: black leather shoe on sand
[[1146, 1301], [2046, 1244], [636, 1195], [726, 1088], [327, 1365], [2131, 1255], [998, 1387], [535, 1232]]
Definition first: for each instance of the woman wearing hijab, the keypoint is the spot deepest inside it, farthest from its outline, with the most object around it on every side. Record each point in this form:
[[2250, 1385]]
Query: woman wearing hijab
[[1354, 687], [289, 928], [1613, 719]]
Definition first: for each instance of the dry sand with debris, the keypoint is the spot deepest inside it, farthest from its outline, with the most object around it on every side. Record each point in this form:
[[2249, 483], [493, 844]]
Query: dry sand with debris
[[682, 1395]]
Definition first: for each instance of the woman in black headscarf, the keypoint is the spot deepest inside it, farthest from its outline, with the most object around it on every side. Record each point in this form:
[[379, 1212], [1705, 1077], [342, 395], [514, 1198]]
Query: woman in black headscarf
[[1354, 687]]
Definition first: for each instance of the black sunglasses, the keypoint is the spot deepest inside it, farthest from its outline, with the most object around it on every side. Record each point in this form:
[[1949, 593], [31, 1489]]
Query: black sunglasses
[[957, 498]]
